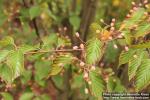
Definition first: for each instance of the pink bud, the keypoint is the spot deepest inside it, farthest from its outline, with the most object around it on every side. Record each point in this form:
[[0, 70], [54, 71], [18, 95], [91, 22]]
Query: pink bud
[[75, 47], [82, 63], [82, 46]]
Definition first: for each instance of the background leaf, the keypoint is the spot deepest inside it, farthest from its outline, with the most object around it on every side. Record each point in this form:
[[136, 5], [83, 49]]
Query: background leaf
[[15, 61]]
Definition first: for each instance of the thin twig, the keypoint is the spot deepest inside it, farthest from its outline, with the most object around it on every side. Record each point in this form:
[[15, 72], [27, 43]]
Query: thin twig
[[47, 51]]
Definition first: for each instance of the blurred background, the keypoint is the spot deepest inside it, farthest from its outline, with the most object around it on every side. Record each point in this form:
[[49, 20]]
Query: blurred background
[[30, 21]]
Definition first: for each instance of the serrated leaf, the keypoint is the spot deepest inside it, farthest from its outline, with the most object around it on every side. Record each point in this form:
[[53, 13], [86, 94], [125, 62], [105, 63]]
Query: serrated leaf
[[34, 11], [15, 61], [6, 96], [134, 63], [55, 69], [94, 51], [75, 21], [135, 18], [141, 45], [50, 41], [26, 48], [92, 30], [128, 37], [142, 30], [3, 54], [26, 96], [125, 56], [143, 75], [59, 62], [62, 41], [7, 41], [97, 86], [6, 74], [114, 85]]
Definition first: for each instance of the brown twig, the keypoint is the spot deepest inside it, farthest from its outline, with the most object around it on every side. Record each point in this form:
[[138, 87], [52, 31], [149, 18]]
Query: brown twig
[[47, 51]]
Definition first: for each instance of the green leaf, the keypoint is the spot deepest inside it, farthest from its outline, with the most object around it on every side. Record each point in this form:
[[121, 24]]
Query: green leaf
[[26, 96], [59, 62], [141, 45], [142, 29], [62, 41], [136, 17], [15, 60], [97, 86], [125, 56], [75, 21], [26, 48], [114, 85], [6, 74], [134, 63], [26, 76], [143, 75], [7, 41], [35, 11], [128, 37], [50, 41], [6, 96], [3, 54], [94, 50]]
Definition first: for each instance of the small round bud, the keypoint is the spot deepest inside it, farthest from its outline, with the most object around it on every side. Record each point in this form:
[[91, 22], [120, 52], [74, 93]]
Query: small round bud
[[85, 76], [101, 20], [147, 6], [82, 46], [75, 47], [110, 38], [82, 63], [126, 48], [113, 20], [65, 28], [133, 3], [93, 68], [131, 11], [135, 56], [145, 13], [115, 46], [140, 4], [135, 8], [112, 24], [120, 36], [89, 82], [128, 15], [86, 91], [145, 1], [77, 34], [112, 28], [98, 31]]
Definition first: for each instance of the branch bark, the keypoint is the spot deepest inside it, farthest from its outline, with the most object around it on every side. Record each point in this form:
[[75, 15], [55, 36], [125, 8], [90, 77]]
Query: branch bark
[[87, 16]]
